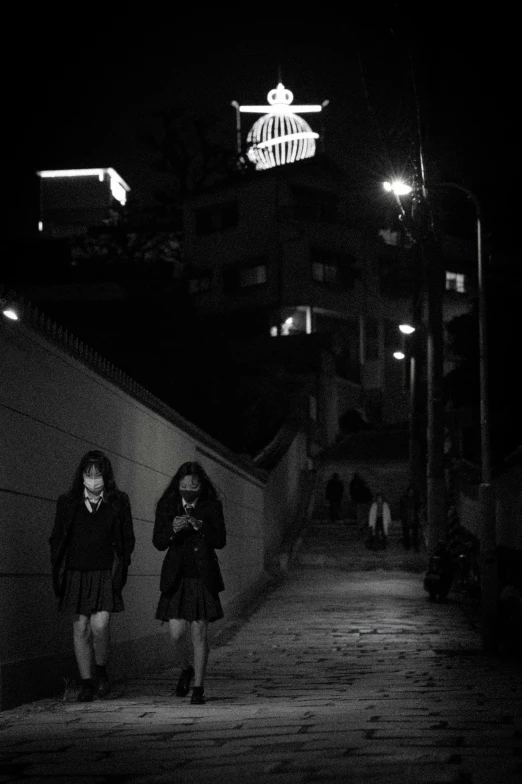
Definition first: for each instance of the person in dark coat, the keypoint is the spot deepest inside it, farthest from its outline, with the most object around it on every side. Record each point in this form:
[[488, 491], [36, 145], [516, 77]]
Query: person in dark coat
[[334, 496], [190, 526], [361, 498], [91, 545]]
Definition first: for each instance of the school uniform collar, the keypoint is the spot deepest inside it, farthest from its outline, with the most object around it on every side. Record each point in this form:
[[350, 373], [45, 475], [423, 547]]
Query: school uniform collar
[[91, 505]]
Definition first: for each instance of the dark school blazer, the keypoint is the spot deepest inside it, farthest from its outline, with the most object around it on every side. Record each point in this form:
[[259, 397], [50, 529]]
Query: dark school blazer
[[122, 538], [212, 536]]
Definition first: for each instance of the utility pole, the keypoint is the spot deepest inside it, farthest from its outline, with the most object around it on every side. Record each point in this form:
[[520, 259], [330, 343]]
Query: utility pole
[[435, 479], [417, 343]]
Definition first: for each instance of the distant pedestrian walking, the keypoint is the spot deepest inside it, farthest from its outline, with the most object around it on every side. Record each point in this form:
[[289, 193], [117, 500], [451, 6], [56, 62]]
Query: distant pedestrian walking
[[334, 496], [379, 521], [361, 498], [91, 545], [190, 526]]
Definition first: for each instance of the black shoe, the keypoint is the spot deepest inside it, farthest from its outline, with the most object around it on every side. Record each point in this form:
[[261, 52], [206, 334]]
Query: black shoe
[[198, 696], [103, 686], [86, 693], [183, 685]]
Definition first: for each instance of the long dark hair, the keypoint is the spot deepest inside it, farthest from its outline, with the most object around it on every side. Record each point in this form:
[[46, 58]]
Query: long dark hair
[[171, 495], [103, 464]]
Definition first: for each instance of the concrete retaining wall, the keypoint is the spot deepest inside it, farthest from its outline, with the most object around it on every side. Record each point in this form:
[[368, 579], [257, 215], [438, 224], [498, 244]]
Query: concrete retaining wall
[[53, 408]]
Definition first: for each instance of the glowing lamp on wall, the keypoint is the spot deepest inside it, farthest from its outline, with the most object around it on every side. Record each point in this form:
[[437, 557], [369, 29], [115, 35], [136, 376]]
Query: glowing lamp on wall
[[281, 136]]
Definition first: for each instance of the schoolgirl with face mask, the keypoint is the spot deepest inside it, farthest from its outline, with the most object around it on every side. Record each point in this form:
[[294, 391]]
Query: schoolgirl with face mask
[[91, 545], [190, 526]]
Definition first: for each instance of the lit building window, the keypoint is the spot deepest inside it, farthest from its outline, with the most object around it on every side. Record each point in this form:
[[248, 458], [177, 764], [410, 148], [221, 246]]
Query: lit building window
[[294, 321], [455, 281]]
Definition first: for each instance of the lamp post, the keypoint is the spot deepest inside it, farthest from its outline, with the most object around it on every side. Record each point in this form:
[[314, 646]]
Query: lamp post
[[422, 234], [489, 572], [414, 446]]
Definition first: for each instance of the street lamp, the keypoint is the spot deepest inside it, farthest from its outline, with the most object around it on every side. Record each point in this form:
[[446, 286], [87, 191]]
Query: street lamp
[[398, 187], [422, 235], [8, 310]]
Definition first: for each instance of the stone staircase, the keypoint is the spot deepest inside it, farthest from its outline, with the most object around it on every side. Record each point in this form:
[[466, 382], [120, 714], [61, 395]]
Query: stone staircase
[[340, 545]]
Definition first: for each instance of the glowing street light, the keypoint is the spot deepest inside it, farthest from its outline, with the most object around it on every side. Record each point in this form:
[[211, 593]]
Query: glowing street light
[[8, 310], [399, 355], [398, 187], [406, 329]]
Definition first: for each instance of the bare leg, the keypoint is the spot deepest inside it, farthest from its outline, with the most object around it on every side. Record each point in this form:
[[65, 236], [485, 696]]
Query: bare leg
[[178, 631], [198, 631], [101, 635], [82, 645]]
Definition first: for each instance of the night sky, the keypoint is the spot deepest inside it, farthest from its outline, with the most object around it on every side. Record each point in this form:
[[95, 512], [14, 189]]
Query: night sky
[[82, 92]]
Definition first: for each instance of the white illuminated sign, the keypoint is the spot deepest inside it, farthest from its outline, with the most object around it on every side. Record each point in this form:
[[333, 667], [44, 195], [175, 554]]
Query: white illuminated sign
[[281, 136], [280, 100]]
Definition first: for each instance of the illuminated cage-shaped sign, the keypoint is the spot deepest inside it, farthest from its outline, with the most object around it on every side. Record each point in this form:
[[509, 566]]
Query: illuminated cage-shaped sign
[[281, 136]]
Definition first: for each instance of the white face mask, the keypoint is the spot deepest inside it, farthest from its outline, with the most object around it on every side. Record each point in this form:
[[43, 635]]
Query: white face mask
[[93, 484]]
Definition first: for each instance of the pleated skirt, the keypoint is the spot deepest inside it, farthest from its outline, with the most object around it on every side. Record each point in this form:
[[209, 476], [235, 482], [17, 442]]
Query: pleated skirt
[[192, 601], [90, 592]]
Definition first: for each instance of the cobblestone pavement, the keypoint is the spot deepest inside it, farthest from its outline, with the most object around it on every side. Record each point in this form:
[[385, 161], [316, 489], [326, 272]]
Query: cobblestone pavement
[[338, 676]]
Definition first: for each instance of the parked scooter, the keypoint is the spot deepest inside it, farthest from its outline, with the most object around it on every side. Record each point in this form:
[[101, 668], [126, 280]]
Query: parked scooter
[[439, 575]]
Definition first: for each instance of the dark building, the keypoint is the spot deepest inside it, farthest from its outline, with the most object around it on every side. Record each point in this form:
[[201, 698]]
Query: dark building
[[73, 200]]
